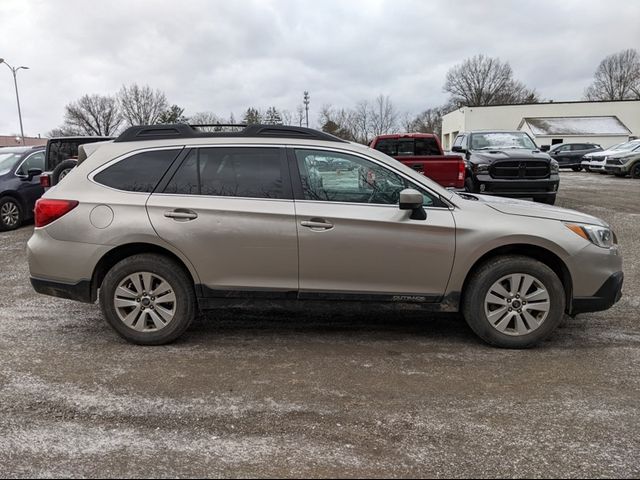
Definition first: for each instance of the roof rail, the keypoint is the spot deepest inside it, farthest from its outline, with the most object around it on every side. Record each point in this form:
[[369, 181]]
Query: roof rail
[[183, 130]]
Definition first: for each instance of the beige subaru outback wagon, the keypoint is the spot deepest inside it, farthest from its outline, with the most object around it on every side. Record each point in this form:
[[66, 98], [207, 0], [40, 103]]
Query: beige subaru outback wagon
[[168, 220]]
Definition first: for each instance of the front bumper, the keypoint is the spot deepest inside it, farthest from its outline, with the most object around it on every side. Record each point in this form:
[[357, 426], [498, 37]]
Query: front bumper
[[615, 169], [517, 187], [608, 294]]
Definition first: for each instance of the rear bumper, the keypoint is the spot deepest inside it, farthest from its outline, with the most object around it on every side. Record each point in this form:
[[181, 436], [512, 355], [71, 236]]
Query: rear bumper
[[604, 298], [80, 292]]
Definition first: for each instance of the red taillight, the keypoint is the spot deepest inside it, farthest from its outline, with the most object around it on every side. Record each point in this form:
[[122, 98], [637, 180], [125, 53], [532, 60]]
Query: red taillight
[[461, 171], [45, 180], [47, 211]]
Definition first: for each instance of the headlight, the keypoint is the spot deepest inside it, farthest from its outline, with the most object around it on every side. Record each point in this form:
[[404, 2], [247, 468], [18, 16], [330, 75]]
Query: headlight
[[555, 167], [481, 168], [600, 236]]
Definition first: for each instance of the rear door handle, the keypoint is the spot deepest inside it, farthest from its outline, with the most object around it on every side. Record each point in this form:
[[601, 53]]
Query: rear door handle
[[317, 224], [181, 214]]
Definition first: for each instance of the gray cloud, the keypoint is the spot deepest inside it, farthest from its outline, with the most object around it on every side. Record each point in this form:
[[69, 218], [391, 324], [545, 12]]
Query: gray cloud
[[225, 56]]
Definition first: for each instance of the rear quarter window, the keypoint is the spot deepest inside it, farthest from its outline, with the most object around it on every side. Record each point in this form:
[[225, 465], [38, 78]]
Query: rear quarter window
[[138, 173]]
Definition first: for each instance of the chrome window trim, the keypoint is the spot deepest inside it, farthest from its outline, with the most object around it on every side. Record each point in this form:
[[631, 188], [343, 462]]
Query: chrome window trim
[[15, 172], [124, 156]]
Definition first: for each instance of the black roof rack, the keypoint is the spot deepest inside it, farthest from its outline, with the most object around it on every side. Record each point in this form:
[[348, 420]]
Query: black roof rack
[[183, 130]]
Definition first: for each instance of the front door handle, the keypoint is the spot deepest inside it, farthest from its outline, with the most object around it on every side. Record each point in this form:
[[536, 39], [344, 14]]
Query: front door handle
[[317, 224], [181, 214]]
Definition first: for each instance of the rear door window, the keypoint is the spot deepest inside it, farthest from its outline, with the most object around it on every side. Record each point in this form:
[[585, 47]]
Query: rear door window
[[251, 172], [137, 173]]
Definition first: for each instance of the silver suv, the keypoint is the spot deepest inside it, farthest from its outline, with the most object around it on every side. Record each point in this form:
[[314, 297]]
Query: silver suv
[[167, 220]]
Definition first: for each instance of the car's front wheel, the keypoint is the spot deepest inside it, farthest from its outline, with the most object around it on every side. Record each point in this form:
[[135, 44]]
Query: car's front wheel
[[148, 299], [635, 171], [513, 301]]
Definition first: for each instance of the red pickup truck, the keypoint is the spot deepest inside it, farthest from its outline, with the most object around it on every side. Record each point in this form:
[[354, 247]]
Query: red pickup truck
[[423, 153]]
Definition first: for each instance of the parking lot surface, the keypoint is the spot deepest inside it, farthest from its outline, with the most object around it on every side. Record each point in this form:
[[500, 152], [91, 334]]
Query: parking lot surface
[[318, 394]]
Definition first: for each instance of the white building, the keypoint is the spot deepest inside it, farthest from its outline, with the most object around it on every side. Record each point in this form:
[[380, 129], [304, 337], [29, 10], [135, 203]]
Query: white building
[[604, 123]]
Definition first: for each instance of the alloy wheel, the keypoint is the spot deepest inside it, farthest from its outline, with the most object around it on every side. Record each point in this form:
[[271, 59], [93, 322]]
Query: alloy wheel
[[145, 302], [10, 214], [517, 304]]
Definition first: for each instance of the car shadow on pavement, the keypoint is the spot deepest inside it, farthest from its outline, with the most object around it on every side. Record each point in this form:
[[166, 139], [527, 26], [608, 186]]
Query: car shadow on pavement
[[418, 325]]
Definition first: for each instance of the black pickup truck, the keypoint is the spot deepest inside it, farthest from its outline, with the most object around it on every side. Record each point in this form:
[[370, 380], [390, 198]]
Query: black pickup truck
[[507, 164]]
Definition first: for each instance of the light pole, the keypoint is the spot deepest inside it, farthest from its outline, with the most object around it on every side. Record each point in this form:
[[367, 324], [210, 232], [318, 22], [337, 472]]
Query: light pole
[[15, 83], [306, 105]]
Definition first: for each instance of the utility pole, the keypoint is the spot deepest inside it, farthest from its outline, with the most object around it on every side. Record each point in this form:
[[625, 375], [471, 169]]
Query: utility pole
[[15, 82], [306, 106]]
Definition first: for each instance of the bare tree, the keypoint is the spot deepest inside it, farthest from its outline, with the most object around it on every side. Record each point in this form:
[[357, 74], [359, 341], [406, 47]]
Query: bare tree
[[300, 116], [482, 80], [207, 118], [428, 121], [141, 105], [361, 122], [617, 77], [287, 117], [337, 122], [92, 115], [383, 117]]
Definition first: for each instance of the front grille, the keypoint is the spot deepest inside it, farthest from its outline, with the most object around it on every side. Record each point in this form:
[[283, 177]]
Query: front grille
[[506, 169]]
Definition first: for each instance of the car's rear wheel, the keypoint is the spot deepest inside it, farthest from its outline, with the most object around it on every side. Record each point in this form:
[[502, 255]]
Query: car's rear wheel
[[514, 302], [11, 215], [148, 299], [576, 169], [635, 171]]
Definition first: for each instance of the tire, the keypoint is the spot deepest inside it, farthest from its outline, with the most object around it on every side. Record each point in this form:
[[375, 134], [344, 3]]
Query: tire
[[505, 332], [576, 169], [635, 171], [178, 293], [469, 185], [62, 170], [11, 214], [547, 199]]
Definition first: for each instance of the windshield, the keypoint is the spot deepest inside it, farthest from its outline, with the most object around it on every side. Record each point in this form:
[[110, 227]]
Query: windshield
[[628, 147], [7, 161], [501, 141]]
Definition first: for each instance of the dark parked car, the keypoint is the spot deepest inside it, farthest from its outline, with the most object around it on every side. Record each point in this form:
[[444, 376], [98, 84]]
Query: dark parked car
[[508, 164], [19, 184], [569, 155]]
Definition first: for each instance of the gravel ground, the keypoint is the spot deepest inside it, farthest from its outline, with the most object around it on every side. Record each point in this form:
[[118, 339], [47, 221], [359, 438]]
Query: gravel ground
[[322, 395]]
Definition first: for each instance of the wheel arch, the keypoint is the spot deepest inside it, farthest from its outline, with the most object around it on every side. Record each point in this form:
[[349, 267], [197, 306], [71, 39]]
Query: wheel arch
[[543, 255], [121, 252]]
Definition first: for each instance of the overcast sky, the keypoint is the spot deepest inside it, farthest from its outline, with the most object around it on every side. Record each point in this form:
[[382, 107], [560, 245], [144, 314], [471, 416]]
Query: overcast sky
[[224, 56]]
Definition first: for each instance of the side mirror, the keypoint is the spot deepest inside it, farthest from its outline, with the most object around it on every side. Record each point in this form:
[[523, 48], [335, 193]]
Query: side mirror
[[411, 199], [458, 149], [33, 172]]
